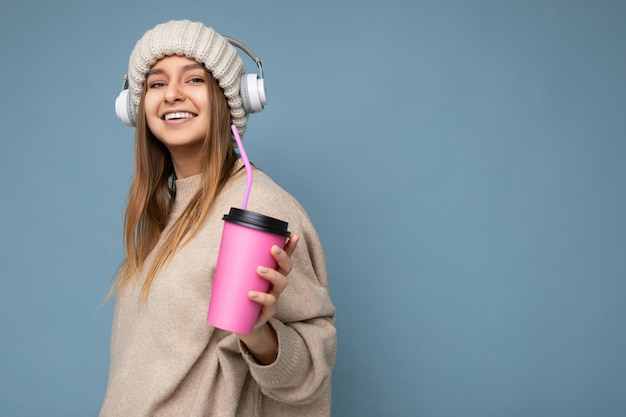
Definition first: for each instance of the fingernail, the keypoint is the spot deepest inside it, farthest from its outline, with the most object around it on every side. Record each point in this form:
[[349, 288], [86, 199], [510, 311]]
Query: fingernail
[[263, 270], [277, 250], [253, 294]]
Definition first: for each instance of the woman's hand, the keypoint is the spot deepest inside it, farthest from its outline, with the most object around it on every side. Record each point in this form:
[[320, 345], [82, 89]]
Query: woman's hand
[[262, 342]]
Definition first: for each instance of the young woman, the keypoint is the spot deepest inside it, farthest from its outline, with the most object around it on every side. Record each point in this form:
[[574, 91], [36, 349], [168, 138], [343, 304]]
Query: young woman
[[165, 359]]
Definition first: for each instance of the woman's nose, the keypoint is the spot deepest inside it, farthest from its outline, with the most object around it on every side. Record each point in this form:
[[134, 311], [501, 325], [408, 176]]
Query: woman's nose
[[173, 93]]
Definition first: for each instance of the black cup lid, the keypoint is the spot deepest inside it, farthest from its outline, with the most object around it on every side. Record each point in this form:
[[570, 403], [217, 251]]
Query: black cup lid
[[257, 221]]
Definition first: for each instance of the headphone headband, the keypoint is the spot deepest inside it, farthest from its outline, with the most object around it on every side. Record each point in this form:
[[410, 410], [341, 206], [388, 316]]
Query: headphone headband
[[248, 52]]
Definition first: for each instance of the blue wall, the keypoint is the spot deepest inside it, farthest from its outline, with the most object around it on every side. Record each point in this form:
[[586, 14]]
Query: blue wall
[[464, 162]]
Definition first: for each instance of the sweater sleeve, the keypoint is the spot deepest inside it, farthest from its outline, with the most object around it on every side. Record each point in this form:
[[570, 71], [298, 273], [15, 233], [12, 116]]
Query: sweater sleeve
[[304, 322]]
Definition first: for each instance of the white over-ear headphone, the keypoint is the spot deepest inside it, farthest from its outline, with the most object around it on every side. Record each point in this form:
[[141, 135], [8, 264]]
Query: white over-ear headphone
[[251, 89]]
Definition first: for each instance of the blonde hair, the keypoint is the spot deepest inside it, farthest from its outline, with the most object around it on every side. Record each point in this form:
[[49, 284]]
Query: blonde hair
[[153, 191]]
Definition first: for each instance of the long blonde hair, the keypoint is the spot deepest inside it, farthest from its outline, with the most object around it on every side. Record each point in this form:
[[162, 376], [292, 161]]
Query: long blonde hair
[[153, 191]]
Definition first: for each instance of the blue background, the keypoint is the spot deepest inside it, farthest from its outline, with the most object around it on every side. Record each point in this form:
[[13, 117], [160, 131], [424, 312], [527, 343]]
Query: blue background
[[463, 161]]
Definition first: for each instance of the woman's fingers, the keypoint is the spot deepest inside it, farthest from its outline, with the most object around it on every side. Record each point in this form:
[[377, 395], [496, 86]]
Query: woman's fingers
[[277, 280], [265, 299], [283, 256], [291, 244]]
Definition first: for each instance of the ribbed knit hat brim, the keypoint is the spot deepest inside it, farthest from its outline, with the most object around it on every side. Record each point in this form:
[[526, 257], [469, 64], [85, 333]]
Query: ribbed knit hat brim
[[196, 41]]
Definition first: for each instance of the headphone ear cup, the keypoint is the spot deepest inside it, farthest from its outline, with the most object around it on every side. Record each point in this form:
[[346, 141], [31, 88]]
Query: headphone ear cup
[[253, 95], [126, 110]]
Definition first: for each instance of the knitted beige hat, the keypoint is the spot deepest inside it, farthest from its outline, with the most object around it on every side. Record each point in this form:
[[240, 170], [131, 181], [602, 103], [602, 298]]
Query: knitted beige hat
[[196, 41]]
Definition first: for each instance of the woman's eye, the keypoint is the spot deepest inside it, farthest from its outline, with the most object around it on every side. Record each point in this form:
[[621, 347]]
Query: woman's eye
[[157, 85], [196, 80]]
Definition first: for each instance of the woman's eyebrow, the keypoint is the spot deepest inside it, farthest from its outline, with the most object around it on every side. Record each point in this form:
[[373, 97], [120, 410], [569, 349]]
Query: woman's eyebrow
[[157, 71], [154, 71]]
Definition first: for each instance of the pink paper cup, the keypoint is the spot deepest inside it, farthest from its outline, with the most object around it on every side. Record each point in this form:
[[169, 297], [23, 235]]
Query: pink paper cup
[[246, 242]]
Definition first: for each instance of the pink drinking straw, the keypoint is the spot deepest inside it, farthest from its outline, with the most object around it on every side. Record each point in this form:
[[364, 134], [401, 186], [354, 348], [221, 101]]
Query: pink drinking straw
[[246, 162]]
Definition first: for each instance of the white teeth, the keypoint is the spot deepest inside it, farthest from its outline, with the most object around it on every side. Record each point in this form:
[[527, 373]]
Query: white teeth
[[178, 115]]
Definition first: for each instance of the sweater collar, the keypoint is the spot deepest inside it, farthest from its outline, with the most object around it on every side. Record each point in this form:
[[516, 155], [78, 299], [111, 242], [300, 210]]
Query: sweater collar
[[185, 189]]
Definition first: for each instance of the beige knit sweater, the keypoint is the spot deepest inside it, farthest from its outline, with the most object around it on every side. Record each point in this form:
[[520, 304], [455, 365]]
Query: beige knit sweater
[[167, 361]]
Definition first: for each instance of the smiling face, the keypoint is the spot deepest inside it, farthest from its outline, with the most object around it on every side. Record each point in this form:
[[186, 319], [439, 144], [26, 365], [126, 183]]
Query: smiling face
[[177, 109]]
